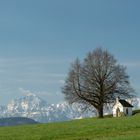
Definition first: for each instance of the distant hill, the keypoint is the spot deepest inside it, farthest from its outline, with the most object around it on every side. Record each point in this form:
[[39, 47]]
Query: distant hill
[[11, 121]]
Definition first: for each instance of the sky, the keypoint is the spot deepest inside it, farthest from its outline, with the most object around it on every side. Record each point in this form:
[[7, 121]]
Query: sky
[[39, 39]]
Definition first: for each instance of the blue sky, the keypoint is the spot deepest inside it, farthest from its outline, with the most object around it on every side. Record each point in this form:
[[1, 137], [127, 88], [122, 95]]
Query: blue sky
[[40, 38]]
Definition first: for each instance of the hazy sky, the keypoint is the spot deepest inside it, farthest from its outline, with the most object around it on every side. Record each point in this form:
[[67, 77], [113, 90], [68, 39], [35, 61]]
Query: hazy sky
[[40, 38]]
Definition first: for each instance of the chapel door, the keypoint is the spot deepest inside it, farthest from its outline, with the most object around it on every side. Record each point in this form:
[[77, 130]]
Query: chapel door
[[117, 112]]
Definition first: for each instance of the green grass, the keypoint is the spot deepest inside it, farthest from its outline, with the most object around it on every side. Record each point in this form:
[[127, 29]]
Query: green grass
[[125, 128]]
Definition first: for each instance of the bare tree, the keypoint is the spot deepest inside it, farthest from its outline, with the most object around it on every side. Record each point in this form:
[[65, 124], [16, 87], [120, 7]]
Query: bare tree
[[96, 81]]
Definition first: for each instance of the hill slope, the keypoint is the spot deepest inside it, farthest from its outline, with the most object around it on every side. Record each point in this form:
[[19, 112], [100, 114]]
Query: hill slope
[[127, 128]]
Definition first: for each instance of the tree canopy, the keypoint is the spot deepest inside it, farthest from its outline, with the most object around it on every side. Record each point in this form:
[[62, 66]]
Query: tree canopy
[[96, 81]]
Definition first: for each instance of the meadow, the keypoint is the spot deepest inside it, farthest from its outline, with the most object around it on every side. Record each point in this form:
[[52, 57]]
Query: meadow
[[124, 128]]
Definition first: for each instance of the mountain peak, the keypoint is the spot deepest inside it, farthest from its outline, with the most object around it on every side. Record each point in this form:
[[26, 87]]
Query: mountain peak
[[28, 103], [31, 94]]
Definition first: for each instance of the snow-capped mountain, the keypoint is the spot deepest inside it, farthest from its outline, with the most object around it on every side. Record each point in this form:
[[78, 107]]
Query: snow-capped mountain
[[34, 107], [30, 106], [31, 102]]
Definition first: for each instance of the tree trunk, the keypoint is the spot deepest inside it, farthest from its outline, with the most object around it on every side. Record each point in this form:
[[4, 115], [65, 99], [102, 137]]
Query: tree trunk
[[100, 112]]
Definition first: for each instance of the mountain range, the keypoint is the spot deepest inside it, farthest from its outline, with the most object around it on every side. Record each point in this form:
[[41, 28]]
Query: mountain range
[[32, 106]]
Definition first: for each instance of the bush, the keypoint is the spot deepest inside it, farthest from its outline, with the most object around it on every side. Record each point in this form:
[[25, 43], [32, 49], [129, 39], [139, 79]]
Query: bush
[[121, 114]]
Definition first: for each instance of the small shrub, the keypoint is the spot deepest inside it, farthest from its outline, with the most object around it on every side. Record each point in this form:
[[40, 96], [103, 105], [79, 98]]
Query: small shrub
[[121, 114]]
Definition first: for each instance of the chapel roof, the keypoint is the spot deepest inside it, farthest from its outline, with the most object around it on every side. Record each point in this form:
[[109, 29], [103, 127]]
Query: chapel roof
[[125, 103]]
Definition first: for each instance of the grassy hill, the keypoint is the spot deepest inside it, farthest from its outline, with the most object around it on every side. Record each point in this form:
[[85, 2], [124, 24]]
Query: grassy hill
[[126, 128]]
